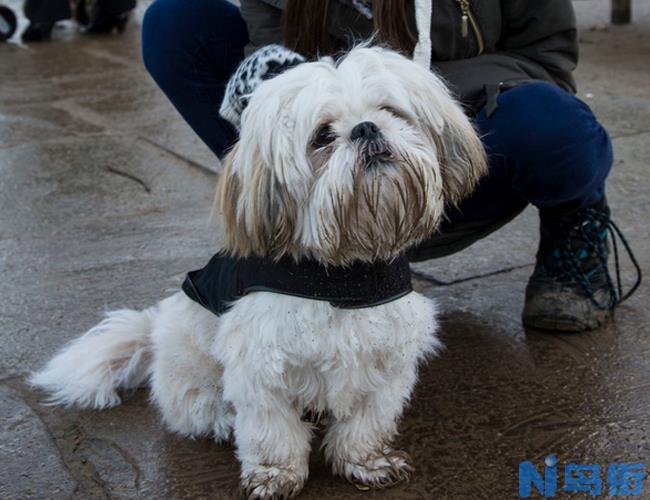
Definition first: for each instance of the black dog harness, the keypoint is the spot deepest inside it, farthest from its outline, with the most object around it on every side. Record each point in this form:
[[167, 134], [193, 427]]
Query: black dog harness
[[226, 279]]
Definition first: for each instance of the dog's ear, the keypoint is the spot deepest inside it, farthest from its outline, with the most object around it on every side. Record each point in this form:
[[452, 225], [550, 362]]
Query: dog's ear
[[259, 215], [461, 155], [226, 199]]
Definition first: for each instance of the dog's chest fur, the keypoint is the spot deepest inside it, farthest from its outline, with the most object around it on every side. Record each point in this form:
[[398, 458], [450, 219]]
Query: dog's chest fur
[[321, 357]]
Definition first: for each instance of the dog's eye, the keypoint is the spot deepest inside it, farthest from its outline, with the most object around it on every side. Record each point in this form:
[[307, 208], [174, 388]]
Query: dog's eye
[[324, 136], [397, 112]]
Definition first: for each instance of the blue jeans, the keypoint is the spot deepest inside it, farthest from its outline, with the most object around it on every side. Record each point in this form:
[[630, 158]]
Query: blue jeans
[[545, 146]]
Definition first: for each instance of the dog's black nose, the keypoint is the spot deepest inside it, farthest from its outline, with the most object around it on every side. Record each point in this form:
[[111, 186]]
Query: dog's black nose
[[366, 131]]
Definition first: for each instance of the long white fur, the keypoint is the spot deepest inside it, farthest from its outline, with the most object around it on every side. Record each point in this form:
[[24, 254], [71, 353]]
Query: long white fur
[[250, 373], [113, 354], [269, 358]]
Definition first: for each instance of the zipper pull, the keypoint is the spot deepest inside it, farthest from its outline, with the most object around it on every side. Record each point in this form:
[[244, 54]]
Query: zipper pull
[[464, 20]]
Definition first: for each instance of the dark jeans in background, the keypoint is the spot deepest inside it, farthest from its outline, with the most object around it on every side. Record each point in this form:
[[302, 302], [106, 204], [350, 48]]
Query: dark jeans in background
[[545, 146]]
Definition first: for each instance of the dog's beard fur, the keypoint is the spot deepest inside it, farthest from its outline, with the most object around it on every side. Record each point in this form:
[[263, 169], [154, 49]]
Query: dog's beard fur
[[284, 193], [373, 210]]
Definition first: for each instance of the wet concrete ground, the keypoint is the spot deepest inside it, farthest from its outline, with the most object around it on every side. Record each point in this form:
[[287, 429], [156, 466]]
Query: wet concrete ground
[[104, 201]]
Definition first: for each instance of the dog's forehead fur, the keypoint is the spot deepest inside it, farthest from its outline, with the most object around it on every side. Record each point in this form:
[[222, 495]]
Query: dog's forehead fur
[[363, 80]]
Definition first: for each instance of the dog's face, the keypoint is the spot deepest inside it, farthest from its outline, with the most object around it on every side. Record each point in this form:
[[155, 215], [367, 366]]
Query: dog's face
[[347, 161]]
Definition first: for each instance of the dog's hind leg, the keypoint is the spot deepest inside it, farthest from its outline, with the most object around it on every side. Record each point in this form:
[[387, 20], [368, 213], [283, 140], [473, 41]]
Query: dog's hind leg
[[186, 381], [112, 355]]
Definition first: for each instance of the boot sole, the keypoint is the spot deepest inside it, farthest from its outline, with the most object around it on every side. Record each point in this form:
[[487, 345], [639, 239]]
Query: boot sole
[[564, 325]]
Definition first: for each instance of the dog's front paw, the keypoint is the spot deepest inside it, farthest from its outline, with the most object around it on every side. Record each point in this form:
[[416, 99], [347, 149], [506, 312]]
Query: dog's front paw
[[379, 470], [269, 482]]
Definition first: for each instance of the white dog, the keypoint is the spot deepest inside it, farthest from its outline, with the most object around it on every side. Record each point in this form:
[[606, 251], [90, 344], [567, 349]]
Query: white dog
[[338, 162]]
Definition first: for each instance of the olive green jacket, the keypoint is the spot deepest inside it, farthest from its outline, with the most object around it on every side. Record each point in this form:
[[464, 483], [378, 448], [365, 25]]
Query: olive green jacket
[[504, 43]]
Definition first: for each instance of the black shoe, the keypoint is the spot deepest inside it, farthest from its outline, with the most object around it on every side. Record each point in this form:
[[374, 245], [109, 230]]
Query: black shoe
[[80, 13], [571, 288], [107, 25], [37, 32]]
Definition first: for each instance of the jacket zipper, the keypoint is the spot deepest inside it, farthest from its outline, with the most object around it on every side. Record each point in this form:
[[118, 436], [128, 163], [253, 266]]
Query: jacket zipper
[[467, 17]]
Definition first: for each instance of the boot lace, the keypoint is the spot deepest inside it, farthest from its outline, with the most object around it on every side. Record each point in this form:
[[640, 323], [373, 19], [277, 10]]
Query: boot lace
[[573, 255]]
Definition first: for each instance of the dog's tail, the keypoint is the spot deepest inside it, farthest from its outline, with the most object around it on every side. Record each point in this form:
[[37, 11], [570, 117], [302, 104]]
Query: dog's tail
[[115, 354]]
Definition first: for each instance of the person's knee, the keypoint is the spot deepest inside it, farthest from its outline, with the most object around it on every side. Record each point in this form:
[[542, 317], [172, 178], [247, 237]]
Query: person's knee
[[545, 117], [558, 145], [177, 29]]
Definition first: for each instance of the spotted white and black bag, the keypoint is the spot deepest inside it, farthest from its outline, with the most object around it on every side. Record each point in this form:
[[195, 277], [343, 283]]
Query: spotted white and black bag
[[265, 63]]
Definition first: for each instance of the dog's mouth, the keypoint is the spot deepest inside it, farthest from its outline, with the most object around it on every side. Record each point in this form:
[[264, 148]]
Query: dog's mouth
[[377, 154]]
